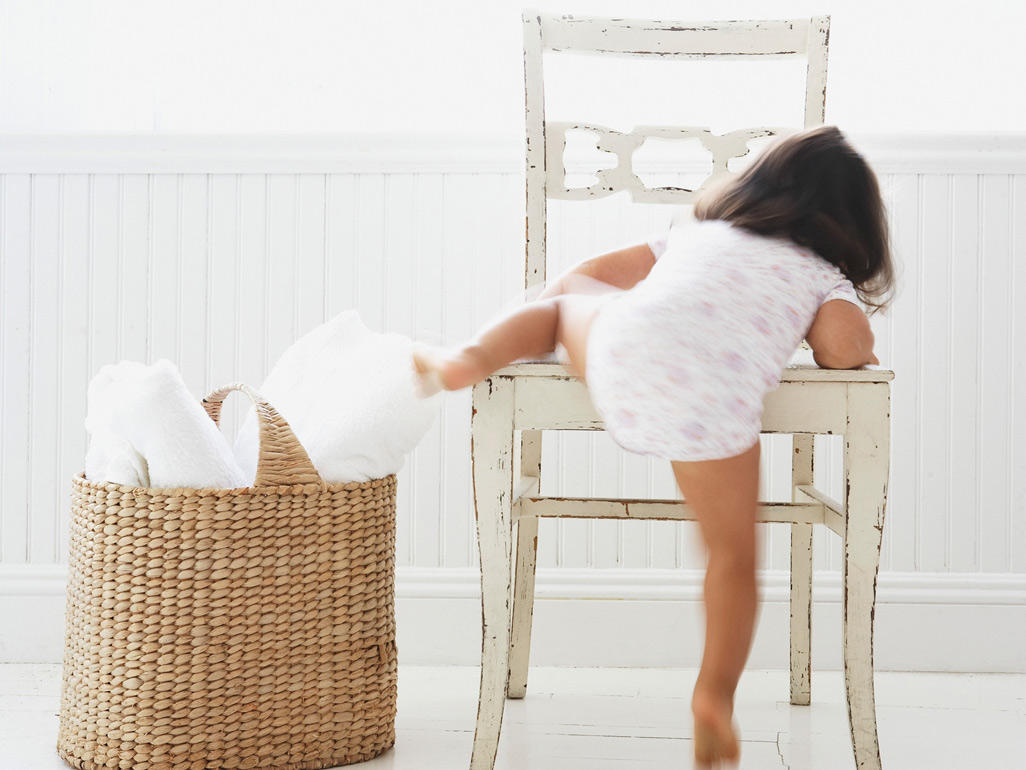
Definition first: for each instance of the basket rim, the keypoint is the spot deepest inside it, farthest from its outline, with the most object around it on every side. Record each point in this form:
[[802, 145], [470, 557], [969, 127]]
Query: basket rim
[[308, 488]]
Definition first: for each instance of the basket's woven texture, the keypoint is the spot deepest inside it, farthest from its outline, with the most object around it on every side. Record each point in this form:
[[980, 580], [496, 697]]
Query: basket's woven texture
[[229, 628]]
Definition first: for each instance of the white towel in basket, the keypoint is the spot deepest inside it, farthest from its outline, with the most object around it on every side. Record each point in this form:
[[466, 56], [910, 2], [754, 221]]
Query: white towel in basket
[[350, 395], [112, 458], [147, 430]]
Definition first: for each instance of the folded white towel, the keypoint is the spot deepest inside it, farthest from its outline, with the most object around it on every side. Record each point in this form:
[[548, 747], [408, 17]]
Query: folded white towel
[[146, 429], [351, 397]]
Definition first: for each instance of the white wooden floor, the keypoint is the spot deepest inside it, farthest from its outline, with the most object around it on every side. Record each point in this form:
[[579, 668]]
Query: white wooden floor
[[593, 719]]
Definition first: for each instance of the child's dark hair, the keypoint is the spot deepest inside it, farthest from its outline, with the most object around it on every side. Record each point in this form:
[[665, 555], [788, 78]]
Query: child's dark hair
[[814, 188]]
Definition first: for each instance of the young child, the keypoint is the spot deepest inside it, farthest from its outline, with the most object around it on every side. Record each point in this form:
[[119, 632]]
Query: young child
[[688, 336]]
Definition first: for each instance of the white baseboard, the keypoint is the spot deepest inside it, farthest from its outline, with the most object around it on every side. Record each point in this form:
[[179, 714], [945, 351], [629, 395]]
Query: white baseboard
[[971, 622]]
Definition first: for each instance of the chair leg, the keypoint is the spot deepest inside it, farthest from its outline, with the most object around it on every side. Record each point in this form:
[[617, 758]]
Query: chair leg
[[866, 468], [801, 580], [526, 559], [523, 606], [491, 445], [801, 614]]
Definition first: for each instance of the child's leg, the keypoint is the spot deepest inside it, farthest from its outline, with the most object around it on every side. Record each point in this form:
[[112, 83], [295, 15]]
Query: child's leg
[[531, 330], [724, 494]]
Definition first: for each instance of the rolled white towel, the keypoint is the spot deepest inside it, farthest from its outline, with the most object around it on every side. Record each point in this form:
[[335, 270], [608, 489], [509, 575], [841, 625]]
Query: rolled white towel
[[112, 458], [146, 429], [351, 397]]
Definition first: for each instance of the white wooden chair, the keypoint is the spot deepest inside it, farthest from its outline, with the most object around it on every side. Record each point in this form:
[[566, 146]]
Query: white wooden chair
[[534, 396]]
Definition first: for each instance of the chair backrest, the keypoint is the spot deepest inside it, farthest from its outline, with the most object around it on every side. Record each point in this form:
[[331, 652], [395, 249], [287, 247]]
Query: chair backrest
[[546, 140]]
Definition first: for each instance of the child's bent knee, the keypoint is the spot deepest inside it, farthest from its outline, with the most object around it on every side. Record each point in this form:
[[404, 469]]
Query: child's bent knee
[[573, 325]]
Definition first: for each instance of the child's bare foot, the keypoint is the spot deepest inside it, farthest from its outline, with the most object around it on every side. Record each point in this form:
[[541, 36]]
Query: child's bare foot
[[715, 739], [439, 369]]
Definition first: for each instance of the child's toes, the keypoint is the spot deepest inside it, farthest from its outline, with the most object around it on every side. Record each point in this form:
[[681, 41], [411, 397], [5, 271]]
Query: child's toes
[[716, 744], [425, 367]]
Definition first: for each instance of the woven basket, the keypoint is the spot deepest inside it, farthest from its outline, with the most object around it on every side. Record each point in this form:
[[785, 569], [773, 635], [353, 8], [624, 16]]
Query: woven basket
[[231, 628]]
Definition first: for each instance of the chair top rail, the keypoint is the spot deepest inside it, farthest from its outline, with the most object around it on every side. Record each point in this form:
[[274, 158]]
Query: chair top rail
[[771, 38]]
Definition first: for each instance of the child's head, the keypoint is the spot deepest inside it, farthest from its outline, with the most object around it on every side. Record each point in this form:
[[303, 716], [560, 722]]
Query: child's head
[[814, 188]]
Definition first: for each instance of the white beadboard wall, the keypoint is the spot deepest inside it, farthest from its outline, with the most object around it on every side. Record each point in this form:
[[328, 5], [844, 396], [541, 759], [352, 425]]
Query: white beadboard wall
[[217, 252]]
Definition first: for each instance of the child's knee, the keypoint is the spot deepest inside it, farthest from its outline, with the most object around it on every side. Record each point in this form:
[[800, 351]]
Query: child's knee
[[741, 549], [575, 315]]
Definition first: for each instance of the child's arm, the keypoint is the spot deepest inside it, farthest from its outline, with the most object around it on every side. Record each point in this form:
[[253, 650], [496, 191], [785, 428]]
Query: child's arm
[[623, 269], [840, 336]]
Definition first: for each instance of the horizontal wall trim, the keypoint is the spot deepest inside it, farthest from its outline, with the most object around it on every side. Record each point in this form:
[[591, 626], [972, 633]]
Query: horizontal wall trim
[[987, 589], [925, 622], [429, 152]]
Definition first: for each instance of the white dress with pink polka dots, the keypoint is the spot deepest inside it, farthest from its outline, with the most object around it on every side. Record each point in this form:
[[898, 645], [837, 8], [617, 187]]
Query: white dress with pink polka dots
[[678, 366]]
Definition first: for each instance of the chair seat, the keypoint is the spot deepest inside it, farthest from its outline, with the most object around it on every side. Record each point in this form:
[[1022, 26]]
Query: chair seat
[[799, 369]]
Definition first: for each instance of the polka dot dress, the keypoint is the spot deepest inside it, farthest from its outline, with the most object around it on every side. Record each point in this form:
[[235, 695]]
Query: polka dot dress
[[679, 365]]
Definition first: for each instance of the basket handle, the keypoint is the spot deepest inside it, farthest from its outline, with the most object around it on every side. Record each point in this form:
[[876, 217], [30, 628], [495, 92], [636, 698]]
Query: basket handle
[[281, 460]]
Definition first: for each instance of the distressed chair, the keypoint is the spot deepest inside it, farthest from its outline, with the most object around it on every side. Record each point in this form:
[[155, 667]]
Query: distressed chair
[[530, 397]]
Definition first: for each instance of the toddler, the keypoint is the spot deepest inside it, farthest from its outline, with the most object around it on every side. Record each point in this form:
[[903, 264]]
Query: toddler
[[680, 339]]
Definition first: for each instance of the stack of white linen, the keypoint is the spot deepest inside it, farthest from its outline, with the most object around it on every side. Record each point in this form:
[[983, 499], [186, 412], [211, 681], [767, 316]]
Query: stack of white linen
[[351, 397], [147, 430], [349, 394]]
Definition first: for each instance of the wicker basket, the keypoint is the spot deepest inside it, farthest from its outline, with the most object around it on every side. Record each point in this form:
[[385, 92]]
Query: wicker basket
[[231, 628]]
